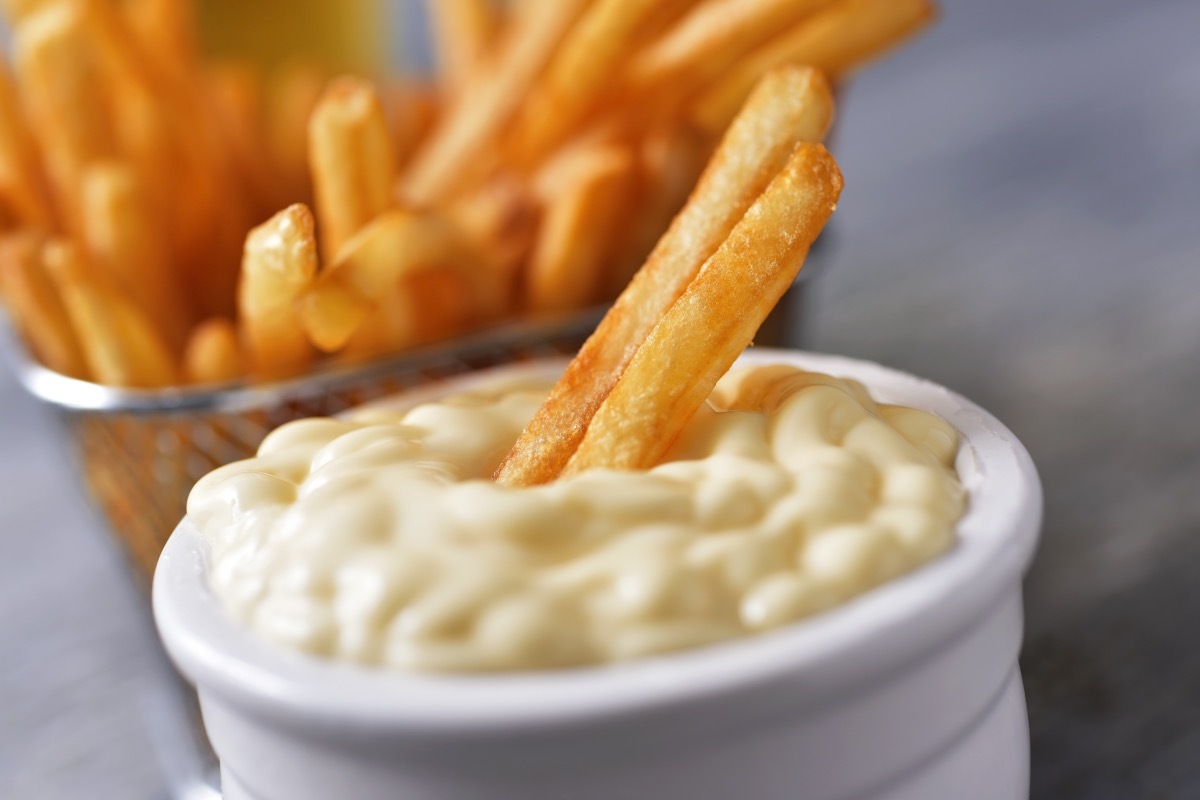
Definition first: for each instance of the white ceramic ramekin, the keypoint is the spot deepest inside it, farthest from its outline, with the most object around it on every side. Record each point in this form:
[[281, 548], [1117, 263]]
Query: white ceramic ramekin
[[910, 692]]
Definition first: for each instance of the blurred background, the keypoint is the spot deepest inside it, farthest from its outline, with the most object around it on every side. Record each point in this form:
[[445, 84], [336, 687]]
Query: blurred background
[[1021, 223]]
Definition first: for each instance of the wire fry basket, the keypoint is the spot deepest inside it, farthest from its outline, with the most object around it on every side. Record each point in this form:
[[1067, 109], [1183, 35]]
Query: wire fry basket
[[139, 452]]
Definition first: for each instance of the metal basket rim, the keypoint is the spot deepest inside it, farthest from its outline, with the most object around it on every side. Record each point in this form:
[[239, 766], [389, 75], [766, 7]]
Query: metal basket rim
[[73, 394]]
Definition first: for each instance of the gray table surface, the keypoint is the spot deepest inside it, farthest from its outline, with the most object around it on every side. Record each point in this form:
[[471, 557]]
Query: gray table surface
[[1022, 223]]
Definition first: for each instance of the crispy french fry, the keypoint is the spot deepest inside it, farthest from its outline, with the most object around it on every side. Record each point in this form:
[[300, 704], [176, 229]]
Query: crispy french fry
[[120, 344], [67, 99], [293, 94], [698, 339], [454, 153], [585, 204], [35, 307], [836, 39], [576, 78], [790, 105], [124, 236], [278, 266], [379, 263], [710, 39], [463, 30], [351, 158], [21, 185], [213, 353]]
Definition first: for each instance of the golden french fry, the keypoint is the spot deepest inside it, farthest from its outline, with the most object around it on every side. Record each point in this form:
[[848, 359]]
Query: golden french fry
[[455, 151], [278, 266], [789, 106], [463, 30], [836, 39], [120, 344], [710, 39], [68, 101], [381, 261], [293, 94], [21, 185], [351, 158], [578, 78], [702, 334], [585, 205], [213, 353], [125, 236], [35, 307]]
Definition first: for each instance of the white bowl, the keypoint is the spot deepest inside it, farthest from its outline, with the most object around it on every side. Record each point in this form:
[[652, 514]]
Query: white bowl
[[909, 692]]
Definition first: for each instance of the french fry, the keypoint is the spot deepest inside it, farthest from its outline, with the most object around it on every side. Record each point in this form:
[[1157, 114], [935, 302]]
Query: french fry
[[789, 106], [167, 30], [351, 160], [585, 203], [125, 237], [378, 265], [235, 94], [576, 78], [213, 353], [836, 39], [120, 344], [463, 31], [502, 218], [278, 266], [710, 39], [16, 10], [702, 334], [427, 306], [293, 94], [35, 307], [457, 149], [21, 186], [67, 100]]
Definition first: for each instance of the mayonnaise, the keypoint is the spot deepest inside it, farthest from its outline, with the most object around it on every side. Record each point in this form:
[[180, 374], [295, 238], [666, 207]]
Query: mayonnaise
[[380, 539]]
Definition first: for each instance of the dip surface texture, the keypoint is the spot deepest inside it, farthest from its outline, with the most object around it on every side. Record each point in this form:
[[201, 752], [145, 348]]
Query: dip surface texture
[[380, 539]]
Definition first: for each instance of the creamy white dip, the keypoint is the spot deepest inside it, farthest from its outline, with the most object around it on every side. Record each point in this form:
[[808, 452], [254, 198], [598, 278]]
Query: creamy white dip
[[380, 539]]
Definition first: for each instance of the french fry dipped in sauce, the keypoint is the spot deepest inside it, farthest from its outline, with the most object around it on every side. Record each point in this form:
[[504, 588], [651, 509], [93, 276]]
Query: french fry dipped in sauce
[[706, 329], [789, 106]]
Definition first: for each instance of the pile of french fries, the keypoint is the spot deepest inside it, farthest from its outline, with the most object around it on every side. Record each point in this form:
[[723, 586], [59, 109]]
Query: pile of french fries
[[170, 219]]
